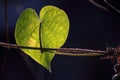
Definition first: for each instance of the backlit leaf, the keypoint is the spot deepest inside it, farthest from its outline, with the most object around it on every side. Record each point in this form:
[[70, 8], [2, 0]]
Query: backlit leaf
[[50, 30]]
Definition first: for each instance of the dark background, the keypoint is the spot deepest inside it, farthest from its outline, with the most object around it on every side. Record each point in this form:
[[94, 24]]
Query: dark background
[[90, 27]]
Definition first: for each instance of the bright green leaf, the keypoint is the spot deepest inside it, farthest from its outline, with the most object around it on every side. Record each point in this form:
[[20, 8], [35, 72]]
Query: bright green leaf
[[51, 29]]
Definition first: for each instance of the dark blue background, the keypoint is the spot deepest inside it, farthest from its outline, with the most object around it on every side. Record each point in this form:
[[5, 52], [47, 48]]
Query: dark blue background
[[90, 27]]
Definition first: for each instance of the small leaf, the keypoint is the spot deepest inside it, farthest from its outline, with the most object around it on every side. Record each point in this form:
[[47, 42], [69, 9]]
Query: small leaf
[[50, 30]]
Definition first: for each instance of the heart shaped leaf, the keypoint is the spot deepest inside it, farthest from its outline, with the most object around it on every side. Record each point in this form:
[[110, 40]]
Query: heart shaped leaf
[[48, 31]]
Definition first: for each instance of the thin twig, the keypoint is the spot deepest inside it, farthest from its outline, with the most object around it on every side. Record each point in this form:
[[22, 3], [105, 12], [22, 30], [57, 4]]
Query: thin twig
[[112, 6], [98, 5], [6, 21], [60, 51], [7, 38]]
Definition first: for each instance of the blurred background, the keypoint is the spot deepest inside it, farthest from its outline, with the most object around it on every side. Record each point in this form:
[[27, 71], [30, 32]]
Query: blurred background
[[90, 27]]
